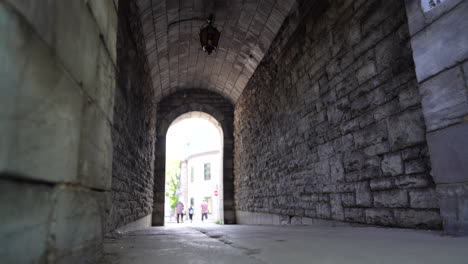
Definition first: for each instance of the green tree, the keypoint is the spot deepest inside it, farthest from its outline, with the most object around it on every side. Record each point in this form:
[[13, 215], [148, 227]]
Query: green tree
[[172, 180]]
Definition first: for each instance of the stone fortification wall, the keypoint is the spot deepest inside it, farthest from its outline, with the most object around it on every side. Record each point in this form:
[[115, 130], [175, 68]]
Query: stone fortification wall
[[134, 128], [330, 125]]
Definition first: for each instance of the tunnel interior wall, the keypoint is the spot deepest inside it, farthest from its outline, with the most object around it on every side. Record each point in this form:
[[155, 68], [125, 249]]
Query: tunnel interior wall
[[57, 80], [330, 125], [133, 130]]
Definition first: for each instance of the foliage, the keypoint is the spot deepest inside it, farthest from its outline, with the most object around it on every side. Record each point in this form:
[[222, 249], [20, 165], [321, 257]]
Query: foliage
[[172, 180]]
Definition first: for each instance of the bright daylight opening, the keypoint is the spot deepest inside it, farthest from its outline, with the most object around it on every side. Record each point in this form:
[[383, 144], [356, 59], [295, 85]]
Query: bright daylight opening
[[194, 172]]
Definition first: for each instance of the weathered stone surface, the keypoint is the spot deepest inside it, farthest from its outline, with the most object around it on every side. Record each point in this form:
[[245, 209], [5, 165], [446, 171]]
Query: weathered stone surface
[[95, 163], [448, 47], [336, 207], [415, 166], [348, 199], [382, 184], [380, 217], [78, 225], [426, 198], [133, 131], [453, 207], [77, 49], [392, 165], [413, 181], [419, 17], [336, 112], [391, 199], [449, 154], [363, 195], [440, 52], [50, 54], [336, 169], [445, 99], [44, 103], [418, 219], [406, 129], [105, 13], [26, 221], [366, 72], [354, 215]]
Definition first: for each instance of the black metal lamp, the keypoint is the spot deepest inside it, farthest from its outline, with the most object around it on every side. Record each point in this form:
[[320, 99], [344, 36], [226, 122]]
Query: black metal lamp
[[209, 37]]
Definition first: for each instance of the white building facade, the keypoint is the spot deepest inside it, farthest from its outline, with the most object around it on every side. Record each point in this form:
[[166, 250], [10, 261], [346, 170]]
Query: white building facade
[[201, 179]]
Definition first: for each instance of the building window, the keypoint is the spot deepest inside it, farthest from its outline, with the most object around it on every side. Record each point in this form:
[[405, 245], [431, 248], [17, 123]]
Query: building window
[[207, 171], [209, 201], [192, 201], [192, 174]]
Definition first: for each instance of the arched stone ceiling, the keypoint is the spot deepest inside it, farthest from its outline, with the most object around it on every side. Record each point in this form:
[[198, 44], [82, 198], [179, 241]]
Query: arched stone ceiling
[[176, 60]]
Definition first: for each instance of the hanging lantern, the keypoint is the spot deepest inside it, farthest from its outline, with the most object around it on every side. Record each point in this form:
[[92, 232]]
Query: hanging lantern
[[209, 37]]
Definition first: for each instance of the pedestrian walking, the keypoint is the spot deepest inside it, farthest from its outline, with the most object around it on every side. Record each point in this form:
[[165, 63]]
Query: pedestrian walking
[[180, 211], [190, 213], [204, 210]]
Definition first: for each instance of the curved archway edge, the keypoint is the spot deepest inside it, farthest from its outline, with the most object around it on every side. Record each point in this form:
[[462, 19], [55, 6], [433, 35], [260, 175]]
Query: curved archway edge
[[169, 109]]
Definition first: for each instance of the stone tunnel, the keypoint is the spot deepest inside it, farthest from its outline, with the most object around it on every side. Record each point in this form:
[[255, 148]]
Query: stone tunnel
[[333, 112]]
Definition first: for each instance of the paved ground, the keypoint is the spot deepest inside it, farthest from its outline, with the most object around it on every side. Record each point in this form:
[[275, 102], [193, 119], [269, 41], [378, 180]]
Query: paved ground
[[209, 243]]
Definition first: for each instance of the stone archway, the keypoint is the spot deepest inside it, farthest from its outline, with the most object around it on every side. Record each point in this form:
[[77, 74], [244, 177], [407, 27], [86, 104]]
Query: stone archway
[[170, 109], [217, 168]]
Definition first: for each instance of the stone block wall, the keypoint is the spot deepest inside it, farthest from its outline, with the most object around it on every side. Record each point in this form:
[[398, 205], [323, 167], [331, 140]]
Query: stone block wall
[[133, 130], [330, 125], [57, 79], [440, 50]]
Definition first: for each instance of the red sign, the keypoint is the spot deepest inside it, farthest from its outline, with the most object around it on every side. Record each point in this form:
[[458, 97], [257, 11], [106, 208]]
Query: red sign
[[216, 193]]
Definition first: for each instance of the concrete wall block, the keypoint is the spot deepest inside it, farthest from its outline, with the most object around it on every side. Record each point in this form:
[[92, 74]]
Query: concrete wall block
[[106, 83], [77, 42], [447, 47], [444, 99], [26, 217], [454, 207], [418, 17], [105, 14], [449, 154], [77, 225], [12, 47], [96, 150], [48, 106], [39, 15]]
